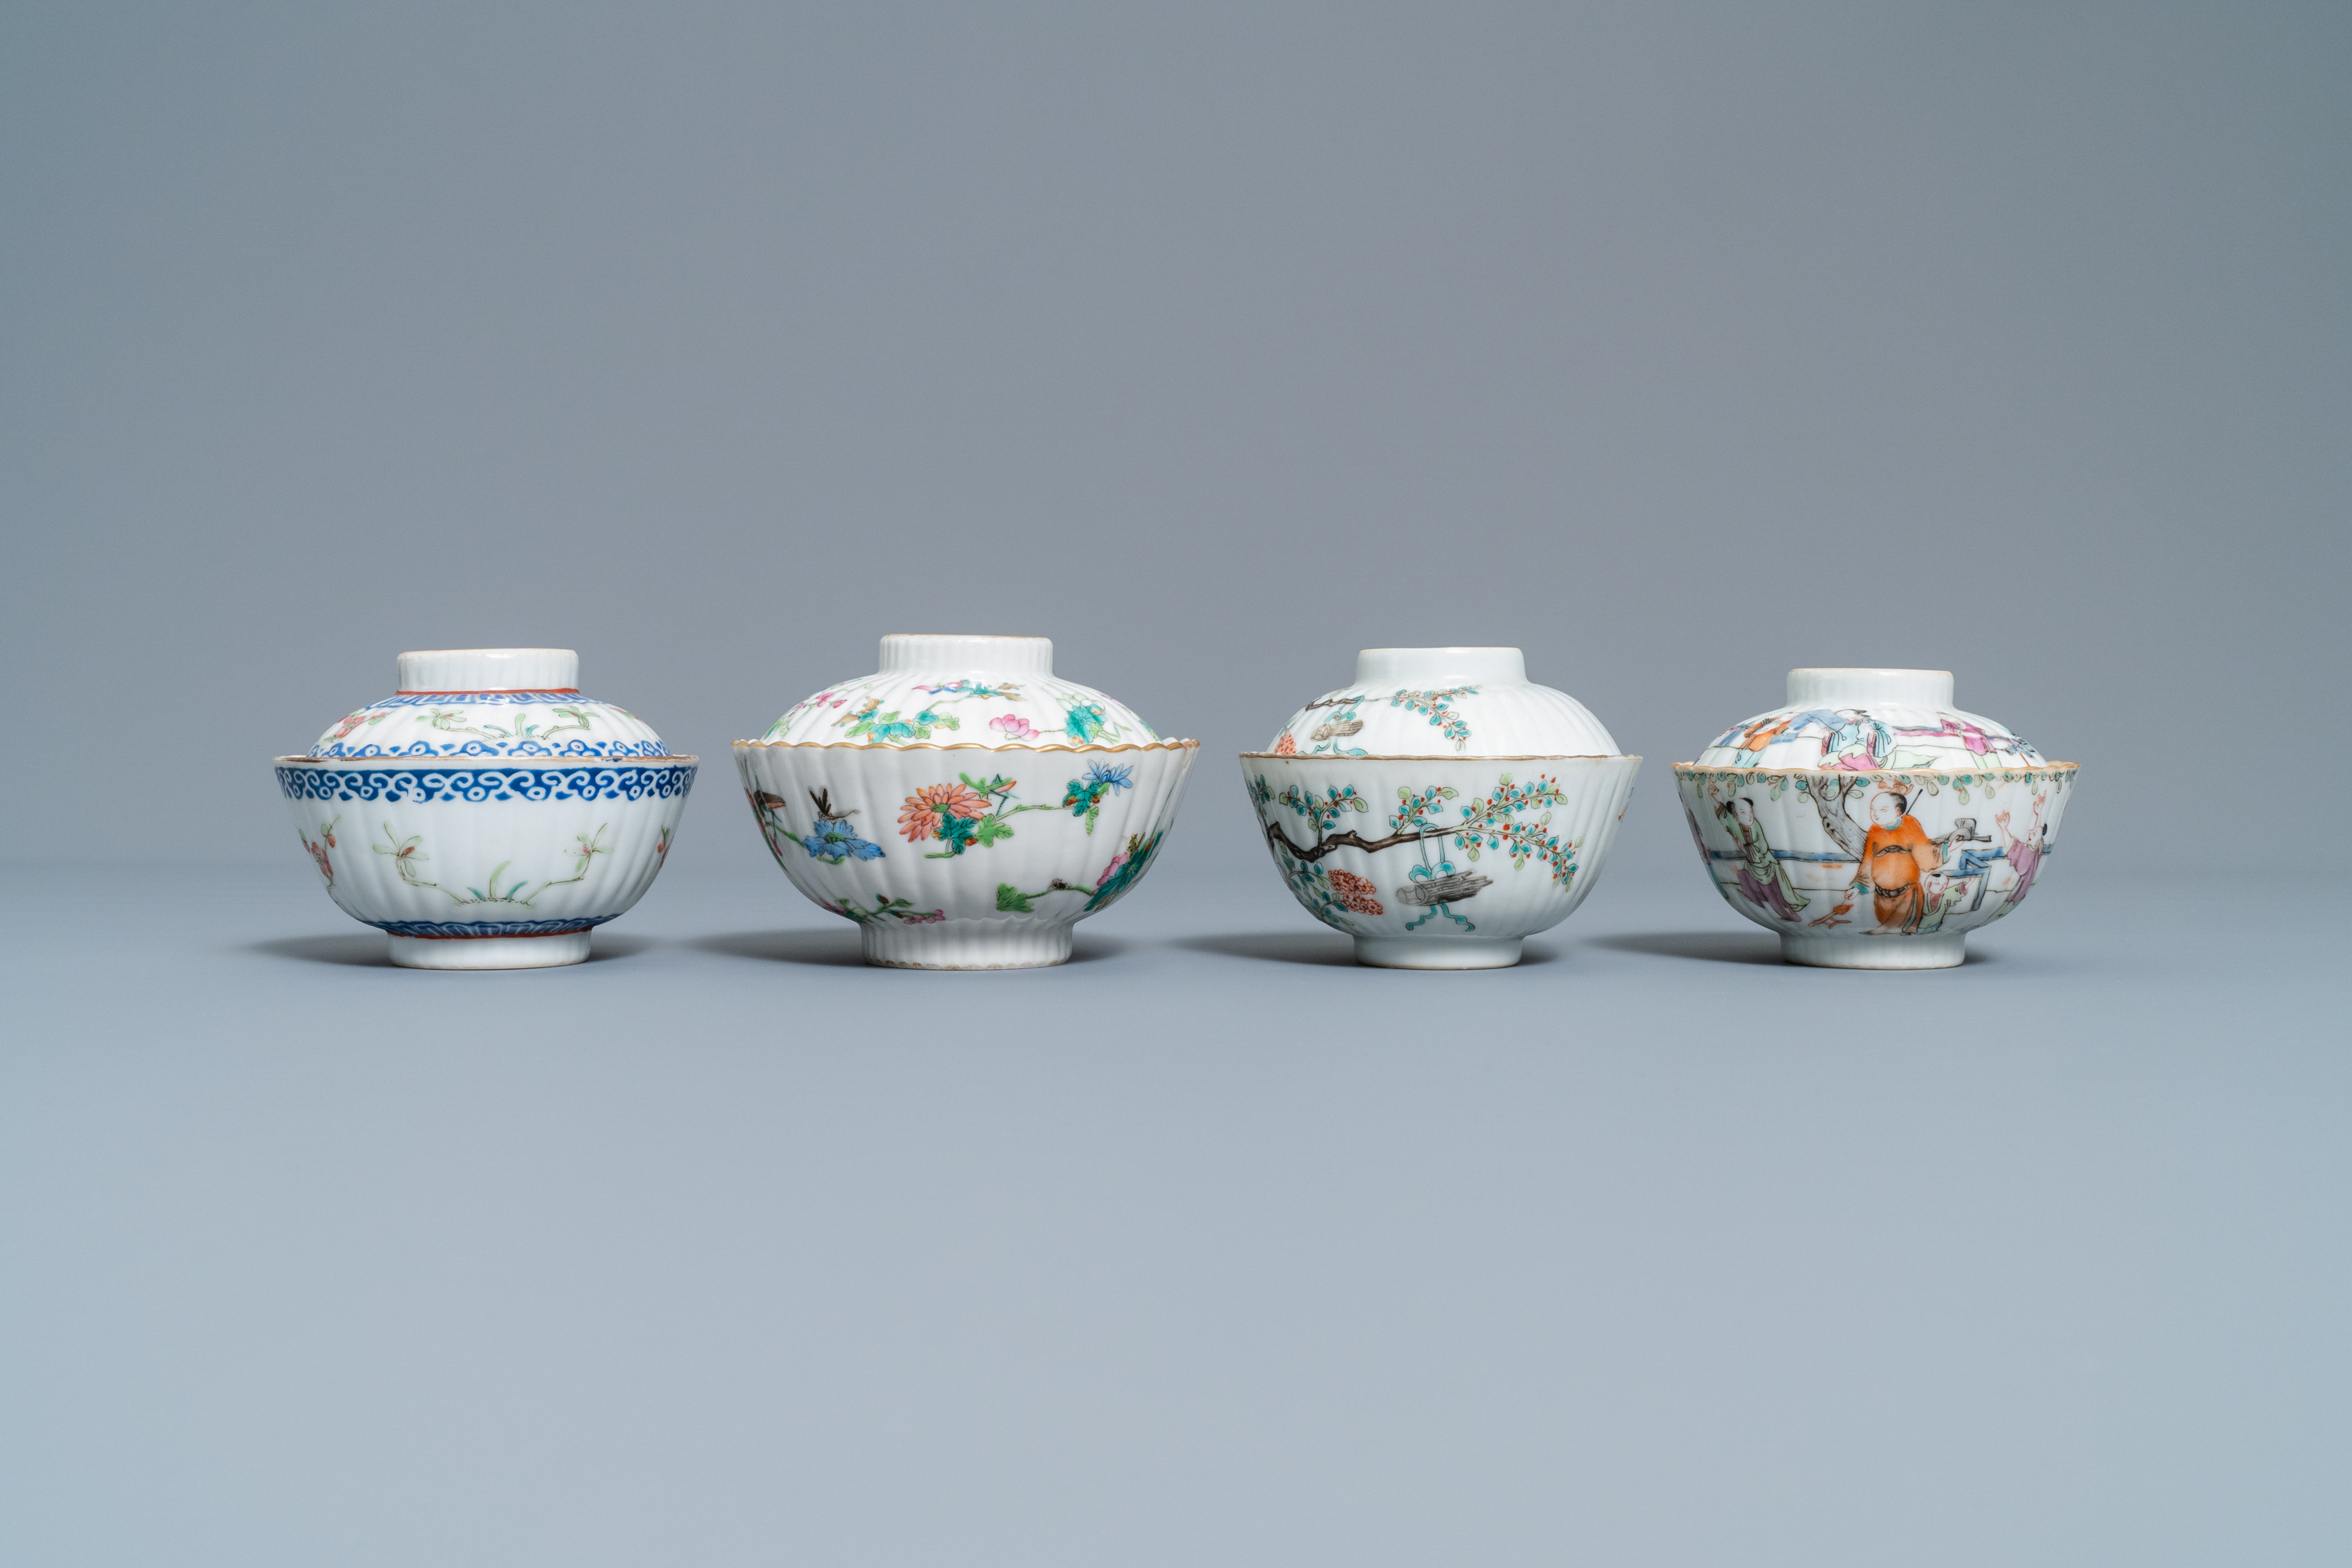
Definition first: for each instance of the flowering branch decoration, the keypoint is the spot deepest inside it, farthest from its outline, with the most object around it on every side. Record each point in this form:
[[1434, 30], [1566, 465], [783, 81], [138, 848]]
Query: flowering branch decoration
[[405, 853], [900, 910], [1114, 879], [1435, 706], [319, 849]]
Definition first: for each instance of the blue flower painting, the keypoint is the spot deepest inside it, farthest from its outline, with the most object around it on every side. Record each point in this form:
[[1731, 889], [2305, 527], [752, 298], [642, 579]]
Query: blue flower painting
[[1085, 795], [834, 843]]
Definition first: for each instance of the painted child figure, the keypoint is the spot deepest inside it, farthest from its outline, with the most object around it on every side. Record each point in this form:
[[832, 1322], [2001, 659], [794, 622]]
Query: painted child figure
[[1901, 867], [2025, 854]]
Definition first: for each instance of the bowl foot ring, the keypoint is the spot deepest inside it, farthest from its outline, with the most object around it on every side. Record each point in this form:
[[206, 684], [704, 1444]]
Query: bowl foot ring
[[966, 945], [1438, 953], [489, 951], [1942, 951]]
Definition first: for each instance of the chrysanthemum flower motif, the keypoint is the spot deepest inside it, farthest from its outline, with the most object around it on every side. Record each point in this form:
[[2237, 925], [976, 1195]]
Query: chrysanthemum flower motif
[[1013, 727], [918, 817], [1355, 892], [1285, 746], [833, 841]]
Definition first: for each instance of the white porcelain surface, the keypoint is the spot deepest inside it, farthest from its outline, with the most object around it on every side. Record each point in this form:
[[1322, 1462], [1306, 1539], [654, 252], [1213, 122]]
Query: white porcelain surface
[[979, 844], [489, 702], [502, 857], [1859, 866], [1442, 808], [1443, 702], [969, 690]]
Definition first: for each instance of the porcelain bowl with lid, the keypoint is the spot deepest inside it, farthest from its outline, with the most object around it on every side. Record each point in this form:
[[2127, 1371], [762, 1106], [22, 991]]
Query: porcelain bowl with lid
[[487, 815], [963, 805], [1870, 822], [1441, 809]]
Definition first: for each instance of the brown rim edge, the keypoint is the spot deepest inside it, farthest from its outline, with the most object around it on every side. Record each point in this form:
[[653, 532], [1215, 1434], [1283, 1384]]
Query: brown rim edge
[[1439, 757], [1866, 773], [958, 746]]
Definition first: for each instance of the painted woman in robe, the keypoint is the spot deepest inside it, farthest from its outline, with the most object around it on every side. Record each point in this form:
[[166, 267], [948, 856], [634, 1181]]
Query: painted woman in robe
[[1761, 879]]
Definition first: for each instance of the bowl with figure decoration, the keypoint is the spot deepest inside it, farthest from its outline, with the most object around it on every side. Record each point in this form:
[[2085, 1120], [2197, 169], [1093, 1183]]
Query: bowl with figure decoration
[[1443, 808], [963, 805], [1869, 823], [487, 815]]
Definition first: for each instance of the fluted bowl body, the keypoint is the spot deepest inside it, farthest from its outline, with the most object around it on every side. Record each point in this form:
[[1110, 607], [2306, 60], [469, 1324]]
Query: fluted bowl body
[[503, 864], [964, 856], [1869, 823], [964, 805], [1439, 862]]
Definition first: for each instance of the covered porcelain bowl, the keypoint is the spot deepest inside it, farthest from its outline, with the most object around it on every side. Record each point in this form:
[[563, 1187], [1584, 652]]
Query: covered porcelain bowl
[[1442, 808], [487, 815], [903, 801], [1869, 822]]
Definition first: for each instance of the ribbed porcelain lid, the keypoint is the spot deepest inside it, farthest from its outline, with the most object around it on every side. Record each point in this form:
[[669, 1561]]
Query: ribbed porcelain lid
[[967, 653], [489, 702], [938, 688], [1444, 702], [1861, 688], [1408, 666], [491, 669], [1869, 718]]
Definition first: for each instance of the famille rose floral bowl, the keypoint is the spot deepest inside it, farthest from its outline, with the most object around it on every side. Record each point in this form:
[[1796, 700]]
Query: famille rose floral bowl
[[1443, 808], [1870, 822], [902, 801], [488, 815]]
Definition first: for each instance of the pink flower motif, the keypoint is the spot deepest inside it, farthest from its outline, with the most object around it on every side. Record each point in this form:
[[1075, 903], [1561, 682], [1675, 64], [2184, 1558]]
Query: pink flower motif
[[1013, 727]]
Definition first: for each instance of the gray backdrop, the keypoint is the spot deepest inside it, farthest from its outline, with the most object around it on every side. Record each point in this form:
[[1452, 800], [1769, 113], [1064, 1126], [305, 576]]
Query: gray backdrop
[[1677, 345]]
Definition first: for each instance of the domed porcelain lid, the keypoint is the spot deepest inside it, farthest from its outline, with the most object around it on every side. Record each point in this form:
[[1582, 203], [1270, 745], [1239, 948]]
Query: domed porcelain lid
[[489, 702], [1859, 718], [942, 690], [1444, 702]]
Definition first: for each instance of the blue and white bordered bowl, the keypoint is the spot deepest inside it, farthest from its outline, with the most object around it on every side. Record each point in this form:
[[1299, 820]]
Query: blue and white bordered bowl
[[488, 815]]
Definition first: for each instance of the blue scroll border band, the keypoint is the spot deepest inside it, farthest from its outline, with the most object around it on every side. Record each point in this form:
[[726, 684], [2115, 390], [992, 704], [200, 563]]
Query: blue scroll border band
[[339, 752], [490, 928], [394, 786]]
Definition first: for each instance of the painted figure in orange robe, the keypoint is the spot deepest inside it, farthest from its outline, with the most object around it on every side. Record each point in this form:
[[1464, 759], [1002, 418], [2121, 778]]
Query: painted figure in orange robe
[[1899, 859]]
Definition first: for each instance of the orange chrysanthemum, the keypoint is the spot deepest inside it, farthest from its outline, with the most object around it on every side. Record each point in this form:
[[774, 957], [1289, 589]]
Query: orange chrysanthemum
[[918, 818], [1285, 746]]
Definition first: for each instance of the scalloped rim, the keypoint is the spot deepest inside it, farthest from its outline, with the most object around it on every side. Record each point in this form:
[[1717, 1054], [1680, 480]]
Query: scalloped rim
[[1439, 757], [1866, 772], [474, 762], [956, 746]]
